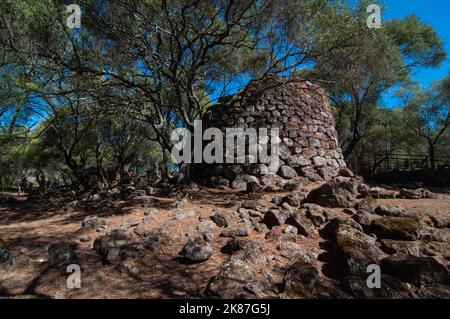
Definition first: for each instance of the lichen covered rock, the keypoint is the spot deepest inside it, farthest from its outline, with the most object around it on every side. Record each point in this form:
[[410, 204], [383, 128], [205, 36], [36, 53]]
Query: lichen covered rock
[[401, 228]]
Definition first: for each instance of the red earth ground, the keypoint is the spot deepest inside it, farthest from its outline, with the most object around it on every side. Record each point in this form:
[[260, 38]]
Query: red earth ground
[[30, 227]]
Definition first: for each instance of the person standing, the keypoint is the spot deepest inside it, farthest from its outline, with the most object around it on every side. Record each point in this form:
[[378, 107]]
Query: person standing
[[19, 187], [24, 184]]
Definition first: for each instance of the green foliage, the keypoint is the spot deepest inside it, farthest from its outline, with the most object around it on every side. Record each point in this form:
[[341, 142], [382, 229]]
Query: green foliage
[[107, 96], [427, 113], [418, 42], [372, 62], [420, 127]]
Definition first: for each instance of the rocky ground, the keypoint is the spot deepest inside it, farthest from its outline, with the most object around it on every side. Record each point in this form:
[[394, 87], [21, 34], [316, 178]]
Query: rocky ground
[[295, 240]]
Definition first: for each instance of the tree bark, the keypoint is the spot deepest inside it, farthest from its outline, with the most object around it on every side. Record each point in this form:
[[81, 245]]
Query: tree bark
[[349, 149], [431, 154], [164, 169], [78, 173]]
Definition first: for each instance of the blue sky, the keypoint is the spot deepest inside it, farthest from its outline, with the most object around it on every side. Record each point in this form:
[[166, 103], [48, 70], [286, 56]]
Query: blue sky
[[433, 12]]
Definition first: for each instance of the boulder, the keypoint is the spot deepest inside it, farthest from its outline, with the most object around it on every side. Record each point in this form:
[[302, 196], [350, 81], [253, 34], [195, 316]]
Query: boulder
[[354, 250], [273, 181], [241, 181], [287, 172], [293, 199], [197, 250], [62, 252], [250, 251], [240, 229], [301, 280], [310, 173], [224, 218], [181, 216], [235, 244], [365, 206], [261, 227], [291, 250], [354, 256], [283, 151], [403, 247], [218, 182], [317, 214], [319, 161], [253, 187], [181, 203], [355, 233], [142, 229], [434, 291], [283, 233], [261, 289], [258, 170], [327, 173], [395, 211], [429, 195], [330, 229], [274, 164], [435, 248], [365, 220], [109, 245], [155, 238], [231, 279], [251, 213], [377, 192], [254, 205], [94, 222], [415, 270], [295, 184], [304, 226], [151, 213], [391, 288], [288, 142], [314, 252], [428, 234], [440, 221], [16, 263], [277, 200], [287, 207], [231, 171], [275, 217], [298, 161], [206, 228], [345, 172], [401, 228], [412, 193], [334, 194]]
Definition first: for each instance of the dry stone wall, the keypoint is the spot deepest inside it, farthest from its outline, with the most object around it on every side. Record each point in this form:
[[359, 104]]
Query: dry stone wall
[[309, 141]]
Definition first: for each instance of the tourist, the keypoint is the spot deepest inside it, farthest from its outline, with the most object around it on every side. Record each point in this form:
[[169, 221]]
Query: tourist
[[41, 181]]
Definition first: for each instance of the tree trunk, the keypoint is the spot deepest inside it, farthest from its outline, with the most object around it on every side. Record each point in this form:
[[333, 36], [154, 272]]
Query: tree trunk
[[431, 153], [99, 164], [77, 171], [349, 149], [164, 169]]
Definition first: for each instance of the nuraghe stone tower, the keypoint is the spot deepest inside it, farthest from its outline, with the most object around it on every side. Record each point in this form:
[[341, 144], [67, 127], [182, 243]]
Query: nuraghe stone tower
[[309, 145]]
